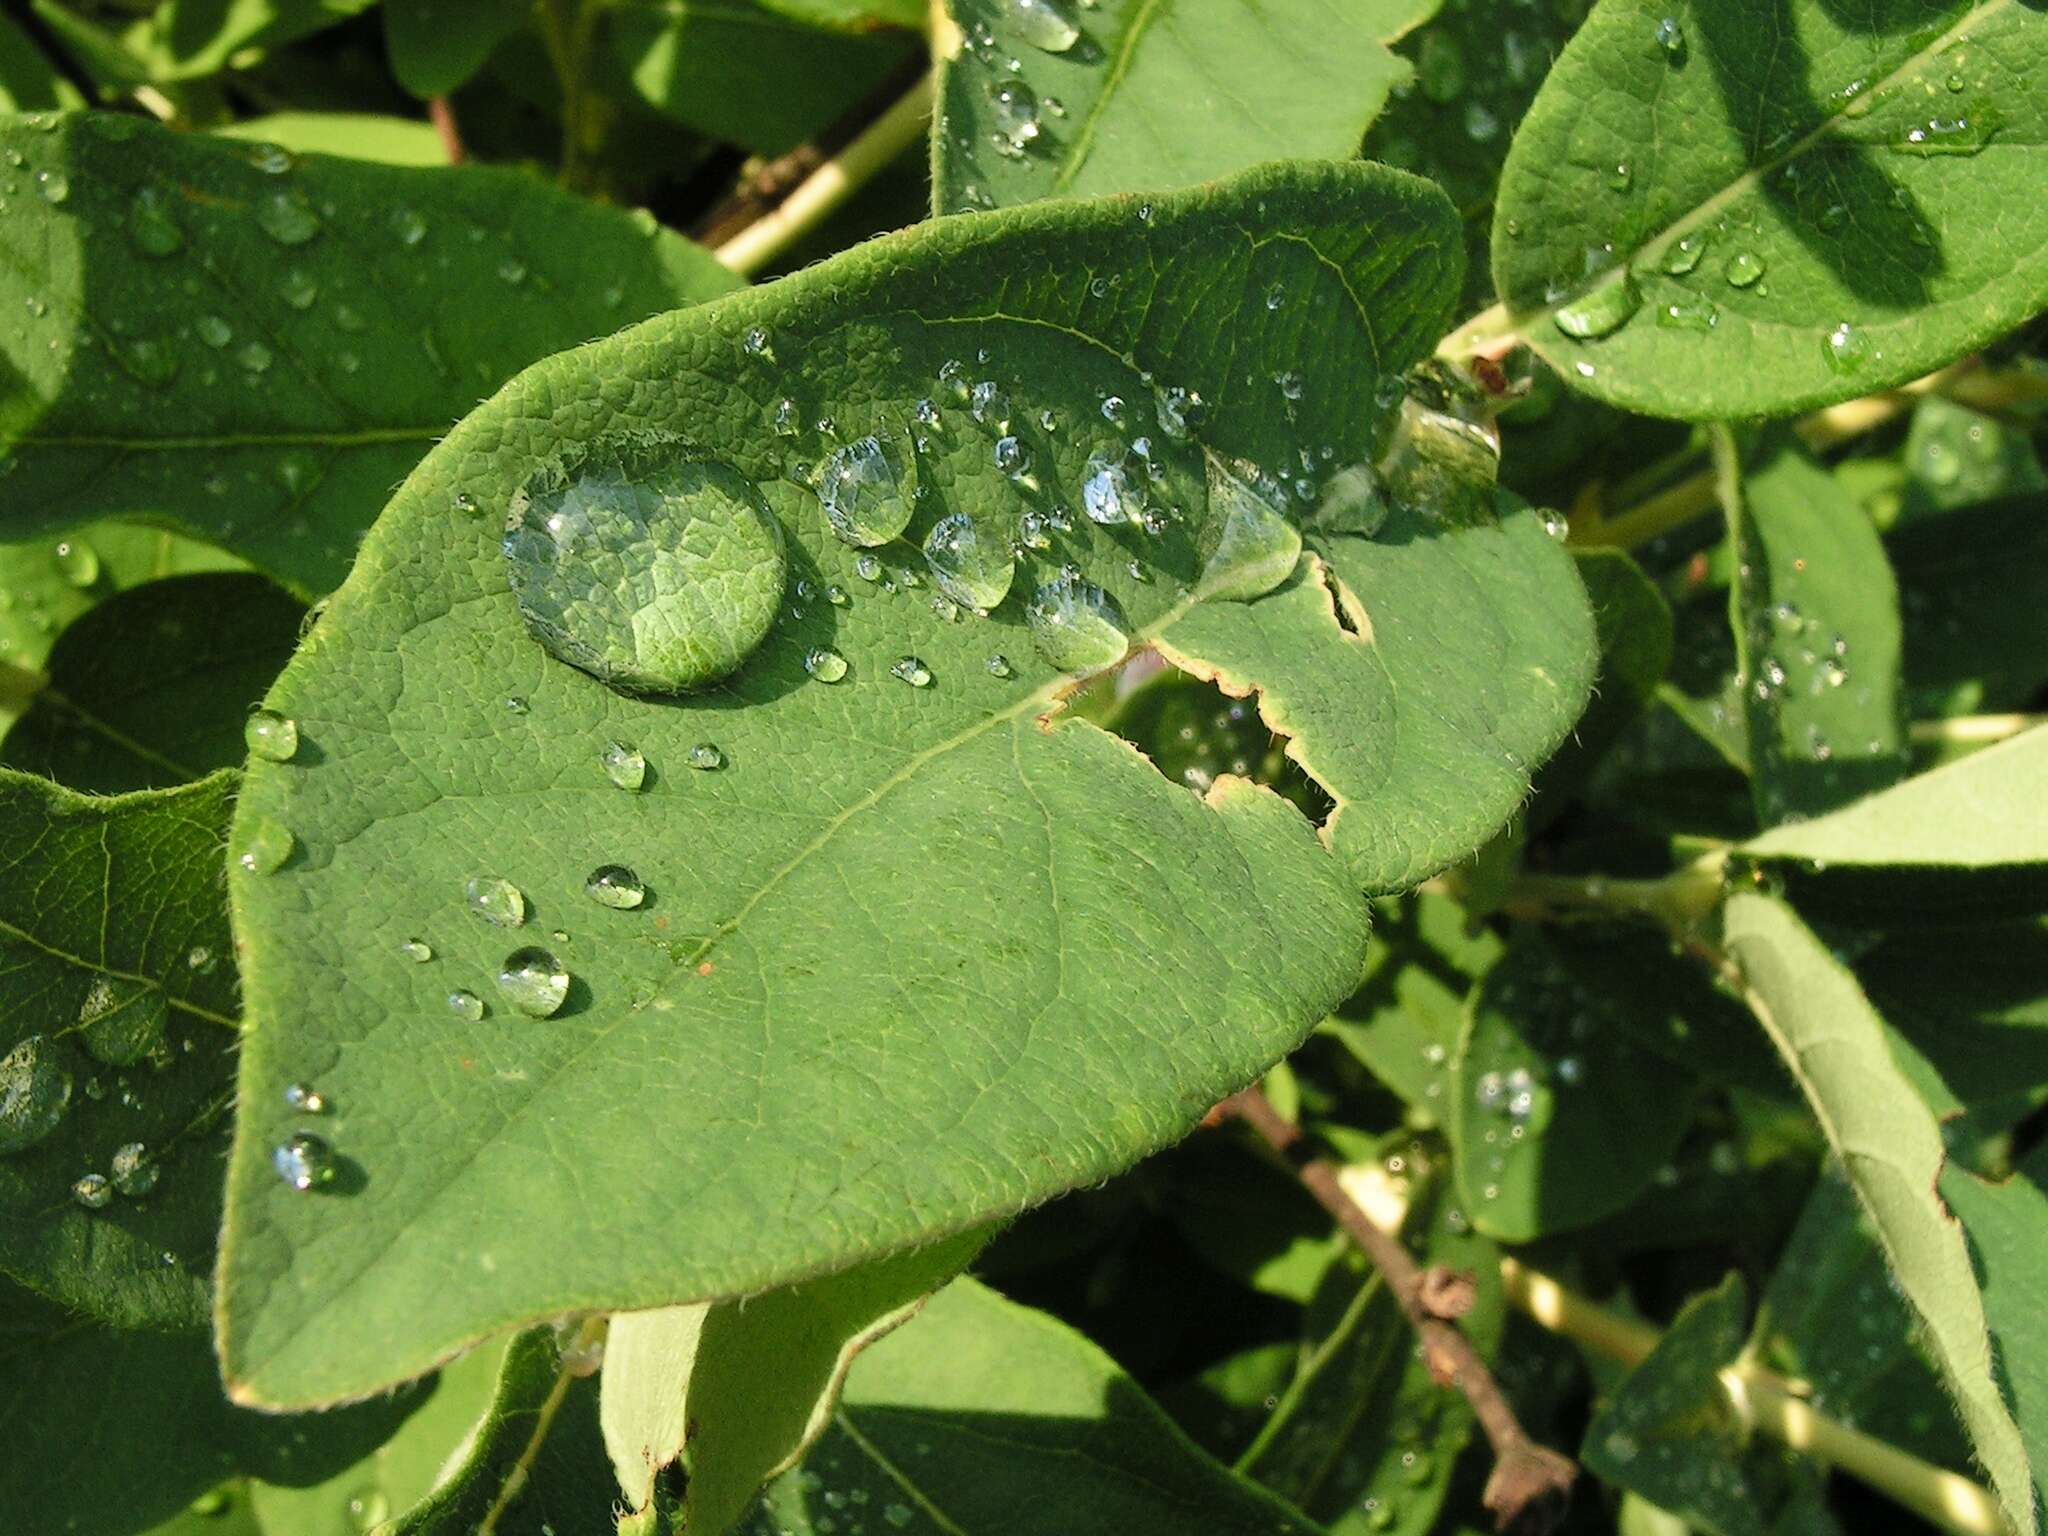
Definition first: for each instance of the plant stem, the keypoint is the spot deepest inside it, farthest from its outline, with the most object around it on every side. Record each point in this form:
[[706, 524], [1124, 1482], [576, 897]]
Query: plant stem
[[899, 127], [1530, 1483], [566, 28], [1771, 1404], [1980, 730], [442, 116]]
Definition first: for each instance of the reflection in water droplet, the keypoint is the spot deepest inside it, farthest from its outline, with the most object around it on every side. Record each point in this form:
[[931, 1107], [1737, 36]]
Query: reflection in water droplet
[[305, 1099], [998, 665], [305, 1162], [1077, 626], [912, 671], [93, 1192], [1670, 38], [650, 571], [1014, 112], [861, 490], [35, 1090], [614, 885], [1743, 269], [287, 217], [1108, 495], [265, 845], [1253, 547], [496, 901], [122, 1020], [825, 664], [1848, 350], [623, 765], [271, 736], [1044, 24], [466, 1005], [1601, 311], [973, 571], [705, 757], [134, 1174], [533, 981]]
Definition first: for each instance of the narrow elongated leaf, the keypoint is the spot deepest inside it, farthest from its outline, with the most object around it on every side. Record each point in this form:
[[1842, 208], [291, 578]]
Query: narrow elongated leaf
[[1048, 97], [345, 314], [1891, 1149], [900, 892], [1728, 208], [117, 998], [1816, 618], [190, 39], [981, 1409], [351, 135], [151, 688]]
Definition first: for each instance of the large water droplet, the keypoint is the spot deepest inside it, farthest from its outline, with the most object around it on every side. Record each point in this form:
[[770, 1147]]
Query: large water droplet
[[825, 664], [862, 492], [494, 900], [623, 765], [1252, 547], [35, 1090], [122, 1020], [1044, 24], [910, 670], [1682, 255], [78, 562], [1109, 494], [533, 981], [614, 885], [651, 572], [466, 1005], [151, 226], [1077, 626], [265, 845], [973, 571], [271, 736], [94, 1192], [1848, 350], [1014, 111], [1601, 311], [1352, 501], [1743, 269], [287, 217], [305, 1161], [134, 1174]]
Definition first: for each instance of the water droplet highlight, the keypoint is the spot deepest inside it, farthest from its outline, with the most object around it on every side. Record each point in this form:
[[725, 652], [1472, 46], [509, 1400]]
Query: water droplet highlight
[[35, 1090], [615, 886], [271, 736], [305, 1162], [305, 1099], [623, 765], [533, 982], [496, 901], [825, 664], [1045, 24], [1077, 626], [973, 571], [862, 492]]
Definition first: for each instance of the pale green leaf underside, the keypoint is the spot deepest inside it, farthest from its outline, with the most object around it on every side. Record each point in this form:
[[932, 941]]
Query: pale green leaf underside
[[1160, 93], [982, 1417], [352, 135], [266, 392], [1891, 1149], [1780, 134], [913, 958], [118, 899]]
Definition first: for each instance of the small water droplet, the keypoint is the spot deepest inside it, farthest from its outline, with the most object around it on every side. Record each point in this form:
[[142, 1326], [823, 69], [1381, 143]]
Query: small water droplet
[[705, 757], [1601, 311], [151, 224], [298, 288], [78, 562], [254, 356], [1013, 458], [623, 765], [287, 217], [1691, 313], [1848, 350], [616, 886], [213, 330], [1076, 625], [94, 1192], [265, 845], [755, 344], [1044, 24], [998, 665], [825, 664], [861, 490], [35, 1090], [305, 1099], [496, 901], [408, 226], [1681, 256], [122, 1020], [304, 1161], [1108, 494], [1182, 411], [533, 981], [970, 569], [1014, 112], [418, 951], [912, 671], [466, 1005], [271, 736], [54, 185], [1670, 39], [1743, 269], [134, 1174], [368, 1508]]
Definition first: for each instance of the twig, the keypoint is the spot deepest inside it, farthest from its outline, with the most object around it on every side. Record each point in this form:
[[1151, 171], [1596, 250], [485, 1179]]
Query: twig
[[442, 116], [900, 126], [1773, 1405], [1530, 1483]]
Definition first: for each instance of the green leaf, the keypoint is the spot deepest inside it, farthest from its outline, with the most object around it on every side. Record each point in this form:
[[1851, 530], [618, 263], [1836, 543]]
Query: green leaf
[[345, 314], [1891, 1149], [351, 135], [1556, 1117], [110, 720], [853, 15], [2008, 1228], [110, 1430], [1816, 619], [437, 45], [1738, 208], [759, 1378], [1956, 457], [115, 958], [734, 71], [1634, 626], [1670, 1432], [191, 39], [1146, 96], [1975, 639], [980, 1409], [795, 882], [53, 581], [28, 80], [1970, 830]]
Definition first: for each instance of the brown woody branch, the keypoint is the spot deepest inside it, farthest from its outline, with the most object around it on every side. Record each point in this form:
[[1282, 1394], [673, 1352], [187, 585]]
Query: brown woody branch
[[1530, 1483]]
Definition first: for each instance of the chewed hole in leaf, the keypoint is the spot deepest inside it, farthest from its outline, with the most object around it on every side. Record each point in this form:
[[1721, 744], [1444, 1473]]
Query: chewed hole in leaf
[[1194, 733], [651, 569]]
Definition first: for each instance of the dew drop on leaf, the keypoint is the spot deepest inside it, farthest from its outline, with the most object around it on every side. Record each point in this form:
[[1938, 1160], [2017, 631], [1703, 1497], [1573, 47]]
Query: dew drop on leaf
[[973, 571], [265, 845], [1015, 114], [94, 1191], [466, 1005], [533, 982], [368, 1508], [1670, 39], [652, 572], [1601, 311], [271, 736], [910, 670], [1351, 501], [1077, 626], [1045, 24], [1848, 350], [1107, 494], [1743, 269], [825, 664], [998, 665], [1681, 256], [304, 1161], [706, 758], [1690, 313], [1013, 458], [77, 562], [54, 185], [134, 1174], [861, 489], [122, 1020], [623, 765], [305, 1099], [35, 1090], [616, 886], [496, 901], [1253, 547], [287, 217], [151, 225], [417, 950]]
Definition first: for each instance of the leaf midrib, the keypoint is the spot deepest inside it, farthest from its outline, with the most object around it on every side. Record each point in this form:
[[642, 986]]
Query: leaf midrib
[[1112, 80]]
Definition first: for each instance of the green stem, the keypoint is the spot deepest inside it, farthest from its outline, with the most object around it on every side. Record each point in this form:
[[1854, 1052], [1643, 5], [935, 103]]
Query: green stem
[[1679, 901], [1973, 730], [1771, 1404], [899, 127], [566, 29]]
